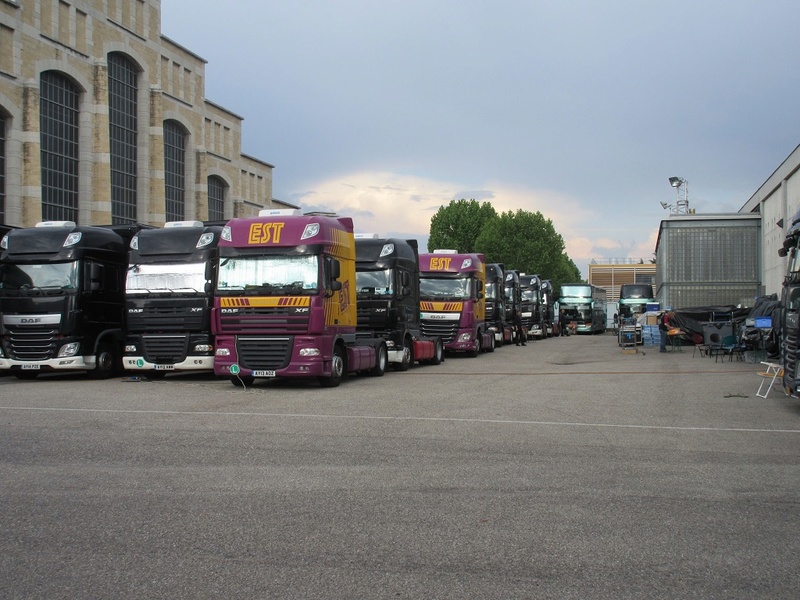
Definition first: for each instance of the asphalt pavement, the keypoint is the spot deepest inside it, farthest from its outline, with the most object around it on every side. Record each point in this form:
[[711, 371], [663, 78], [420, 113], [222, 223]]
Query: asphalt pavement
[[564, 469]]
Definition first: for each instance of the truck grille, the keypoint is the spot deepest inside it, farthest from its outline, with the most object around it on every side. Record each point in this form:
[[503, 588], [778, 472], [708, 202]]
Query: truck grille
[[166, 318], [444, 329], [277, 319], [33, 343], [264, 353], [165, 349]]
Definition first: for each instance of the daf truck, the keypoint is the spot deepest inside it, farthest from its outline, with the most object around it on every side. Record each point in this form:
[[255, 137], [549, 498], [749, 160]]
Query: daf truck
[[387, 300], [453, 302], [285, 301], [62, 298], [496, 316], [168, 298]]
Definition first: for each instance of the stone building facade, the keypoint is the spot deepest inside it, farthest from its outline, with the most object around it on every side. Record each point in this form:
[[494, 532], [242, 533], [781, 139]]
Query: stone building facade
[[104, 120]]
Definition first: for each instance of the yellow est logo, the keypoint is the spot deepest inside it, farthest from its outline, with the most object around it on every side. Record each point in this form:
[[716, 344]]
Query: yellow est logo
[[440, 263], [265, 233]]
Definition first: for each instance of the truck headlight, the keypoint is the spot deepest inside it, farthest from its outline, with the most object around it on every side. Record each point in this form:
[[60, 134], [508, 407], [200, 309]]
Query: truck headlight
[[70, 349], [203, 347], [130, 348], [309, 352], [465, 337], [223, 352]]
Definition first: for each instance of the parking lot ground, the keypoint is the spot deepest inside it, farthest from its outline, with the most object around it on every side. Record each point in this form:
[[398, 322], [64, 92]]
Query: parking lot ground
[[564, 469]]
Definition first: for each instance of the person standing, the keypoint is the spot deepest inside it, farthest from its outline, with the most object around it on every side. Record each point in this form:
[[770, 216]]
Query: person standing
[[663, 328]]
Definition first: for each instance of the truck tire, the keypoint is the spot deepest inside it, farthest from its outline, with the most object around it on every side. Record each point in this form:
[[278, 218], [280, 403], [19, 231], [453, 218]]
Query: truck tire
[[381, 360], [105, 362], [490, 347], [478, 347], [408, 356], [438, 352], [337, 368]]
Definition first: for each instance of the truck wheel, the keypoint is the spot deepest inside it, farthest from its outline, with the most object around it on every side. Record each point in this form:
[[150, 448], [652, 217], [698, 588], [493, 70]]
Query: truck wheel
[[337, 369], [242, 381], [408, 357], [478, 347], [490, 347], [438, 352], [105, 362], [381, 360]]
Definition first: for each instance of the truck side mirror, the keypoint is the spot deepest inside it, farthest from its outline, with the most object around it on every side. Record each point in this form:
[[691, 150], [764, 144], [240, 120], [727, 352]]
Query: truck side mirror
[[336, 286], [335, 269]]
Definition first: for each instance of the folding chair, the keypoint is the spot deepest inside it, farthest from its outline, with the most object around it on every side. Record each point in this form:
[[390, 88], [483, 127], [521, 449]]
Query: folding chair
[[768, 378]]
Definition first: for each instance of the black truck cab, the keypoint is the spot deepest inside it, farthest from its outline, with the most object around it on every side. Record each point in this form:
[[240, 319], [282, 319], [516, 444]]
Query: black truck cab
[[387, 299], [169, 287], [62, 298]]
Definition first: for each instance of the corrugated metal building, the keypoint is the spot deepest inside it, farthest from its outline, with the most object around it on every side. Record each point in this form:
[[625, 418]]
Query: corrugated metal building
[[708, 260]]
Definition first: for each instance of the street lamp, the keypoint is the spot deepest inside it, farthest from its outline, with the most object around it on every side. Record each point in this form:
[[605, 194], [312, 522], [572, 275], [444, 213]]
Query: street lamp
[[682, 202]]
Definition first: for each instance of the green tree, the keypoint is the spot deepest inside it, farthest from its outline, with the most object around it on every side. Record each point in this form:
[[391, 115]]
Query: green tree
[[527, 242], [459, 224]]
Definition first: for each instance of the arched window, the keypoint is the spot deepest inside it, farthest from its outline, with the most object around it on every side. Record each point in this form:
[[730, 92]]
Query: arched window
[[216, 198], [122, 127], [174, 170], [2, 168], [58, 126]]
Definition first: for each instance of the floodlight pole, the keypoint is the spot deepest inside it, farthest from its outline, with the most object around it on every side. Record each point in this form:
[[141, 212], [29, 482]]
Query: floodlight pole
[[681, 202]]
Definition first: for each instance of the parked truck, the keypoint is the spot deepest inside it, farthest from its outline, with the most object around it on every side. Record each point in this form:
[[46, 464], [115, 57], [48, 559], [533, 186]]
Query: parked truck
[[387, 300], [62, 298], [453, 304], [533, 314], [513, 293], [496, 317], [168, 296], [285, 301], [790, 309], [548, 307]]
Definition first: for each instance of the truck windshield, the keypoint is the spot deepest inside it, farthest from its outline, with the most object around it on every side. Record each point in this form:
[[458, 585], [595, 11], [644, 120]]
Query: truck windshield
[[166, 278], [430, 288], [374, 283], [491, 291], [47, 276], [269, 275]]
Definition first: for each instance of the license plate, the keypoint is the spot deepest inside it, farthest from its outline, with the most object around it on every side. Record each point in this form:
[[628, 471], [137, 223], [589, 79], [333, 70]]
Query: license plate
[[31, 367], [164, 367], [263, 373]]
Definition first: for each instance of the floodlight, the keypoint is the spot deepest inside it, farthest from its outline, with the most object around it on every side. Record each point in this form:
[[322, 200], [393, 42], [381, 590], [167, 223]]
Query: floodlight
[[664, 205], [676, 181]]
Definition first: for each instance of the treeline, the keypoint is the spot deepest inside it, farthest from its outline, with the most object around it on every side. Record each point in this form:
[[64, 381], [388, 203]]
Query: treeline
[[522, 240]]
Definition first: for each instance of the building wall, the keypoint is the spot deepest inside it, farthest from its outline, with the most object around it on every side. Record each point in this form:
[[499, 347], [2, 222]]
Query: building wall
[[777, 201], [708, 260], [75, 38]]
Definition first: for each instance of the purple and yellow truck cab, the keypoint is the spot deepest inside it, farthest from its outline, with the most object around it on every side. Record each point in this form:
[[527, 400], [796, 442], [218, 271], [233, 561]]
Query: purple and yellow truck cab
[[285, 300], [452, 300]]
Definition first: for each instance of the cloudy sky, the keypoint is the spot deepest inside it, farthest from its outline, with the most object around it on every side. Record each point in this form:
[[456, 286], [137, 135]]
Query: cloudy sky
[[385, 110]]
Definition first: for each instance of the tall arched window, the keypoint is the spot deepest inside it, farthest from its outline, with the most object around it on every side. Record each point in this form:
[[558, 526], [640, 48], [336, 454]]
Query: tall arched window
[[58, 126], [174, 169], [2, 168], [216, 198], [122, 127]]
